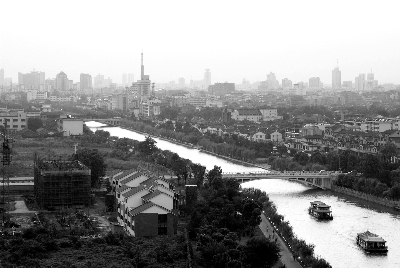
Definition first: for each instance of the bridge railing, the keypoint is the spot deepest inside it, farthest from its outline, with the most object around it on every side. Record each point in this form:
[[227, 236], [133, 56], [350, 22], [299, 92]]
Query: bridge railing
[[281, 173]]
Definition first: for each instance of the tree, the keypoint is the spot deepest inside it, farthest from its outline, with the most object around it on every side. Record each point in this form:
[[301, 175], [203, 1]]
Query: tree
[[213, 175], [148, 146], [198, 172], [260, 252], [93, 160], [34, 123]]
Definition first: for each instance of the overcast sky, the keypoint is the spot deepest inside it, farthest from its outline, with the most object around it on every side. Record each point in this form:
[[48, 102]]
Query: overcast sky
[[234, 39]]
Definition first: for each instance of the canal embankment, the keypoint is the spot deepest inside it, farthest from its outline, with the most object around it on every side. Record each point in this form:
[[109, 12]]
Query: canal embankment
[[364, 196]]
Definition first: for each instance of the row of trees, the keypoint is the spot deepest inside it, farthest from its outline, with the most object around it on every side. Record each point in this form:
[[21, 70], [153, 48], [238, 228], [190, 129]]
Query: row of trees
[[230, 146]]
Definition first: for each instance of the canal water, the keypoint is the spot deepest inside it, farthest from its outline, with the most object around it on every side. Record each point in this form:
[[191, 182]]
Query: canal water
[[333, 240]]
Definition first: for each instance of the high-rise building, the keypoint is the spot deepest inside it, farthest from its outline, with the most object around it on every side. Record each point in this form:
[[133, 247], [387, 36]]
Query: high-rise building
[[1, 77], [124, 80], [207, 79], [141, 91], [370, 84], [130, 79], [359, 82], [62, 82], [85, 81], [314, 82], [49, 85], [286, 83], [33, 80], [272, 83], [348, 84], [98, 81], [181, 82], [336, 78]]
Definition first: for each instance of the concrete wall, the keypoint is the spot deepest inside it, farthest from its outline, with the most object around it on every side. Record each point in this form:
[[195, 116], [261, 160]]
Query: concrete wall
[[146, 224], [364, 196]]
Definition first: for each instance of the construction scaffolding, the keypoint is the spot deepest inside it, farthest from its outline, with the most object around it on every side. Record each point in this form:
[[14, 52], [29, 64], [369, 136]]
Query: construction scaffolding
[[6, 160], [61, 184]]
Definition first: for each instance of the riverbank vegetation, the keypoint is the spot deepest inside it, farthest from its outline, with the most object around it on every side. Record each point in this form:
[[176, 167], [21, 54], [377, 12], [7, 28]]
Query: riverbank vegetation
[[231, 146], [375, 174]]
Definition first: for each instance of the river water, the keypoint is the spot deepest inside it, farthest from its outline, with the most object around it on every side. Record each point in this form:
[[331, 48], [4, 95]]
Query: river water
[[333, 240]]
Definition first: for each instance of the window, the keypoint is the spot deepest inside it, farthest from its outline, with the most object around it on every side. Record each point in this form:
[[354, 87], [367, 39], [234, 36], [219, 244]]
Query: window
[[162, 224]]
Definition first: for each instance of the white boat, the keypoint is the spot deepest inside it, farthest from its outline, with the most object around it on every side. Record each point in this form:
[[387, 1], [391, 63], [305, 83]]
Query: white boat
[[320, 210], [371, 243]]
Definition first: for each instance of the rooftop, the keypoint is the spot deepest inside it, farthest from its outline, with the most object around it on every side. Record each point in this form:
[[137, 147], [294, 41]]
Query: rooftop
[[60, 165]]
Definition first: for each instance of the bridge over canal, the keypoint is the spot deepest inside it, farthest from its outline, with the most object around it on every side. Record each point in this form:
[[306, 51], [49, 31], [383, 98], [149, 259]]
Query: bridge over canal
[[320, 179], [109, 121]]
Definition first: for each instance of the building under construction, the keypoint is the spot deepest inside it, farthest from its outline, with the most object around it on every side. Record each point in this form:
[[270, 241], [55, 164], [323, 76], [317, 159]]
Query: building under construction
[[61, 184]]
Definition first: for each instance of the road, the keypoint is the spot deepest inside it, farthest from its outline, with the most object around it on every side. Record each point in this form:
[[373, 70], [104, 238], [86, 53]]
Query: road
[[286, 256]]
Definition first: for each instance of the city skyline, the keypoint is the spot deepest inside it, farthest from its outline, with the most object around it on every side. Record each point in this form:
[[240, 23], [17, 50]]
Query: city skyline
[[242, 43]]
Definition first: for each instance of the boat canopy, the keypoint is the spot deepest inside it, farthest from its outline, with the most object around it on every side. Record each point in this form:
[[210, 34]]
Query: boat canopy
[[370, 237]]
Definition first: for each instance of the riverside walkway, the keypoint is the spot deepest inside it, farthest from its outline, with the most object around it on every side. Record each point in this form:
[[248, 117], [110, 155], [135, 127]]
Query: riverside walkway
[[286, 256]]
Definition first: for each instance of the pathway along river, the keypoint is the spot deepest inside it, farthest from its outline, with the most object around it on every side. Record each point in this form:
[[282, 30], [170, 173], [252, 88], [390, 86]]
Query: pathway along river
[[333, 240]]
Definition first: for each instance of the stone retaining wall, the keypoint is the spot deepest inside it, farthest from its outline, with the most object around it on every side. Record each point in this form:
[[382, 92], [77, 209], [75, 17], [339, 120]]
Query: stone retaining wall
[[365, 196]]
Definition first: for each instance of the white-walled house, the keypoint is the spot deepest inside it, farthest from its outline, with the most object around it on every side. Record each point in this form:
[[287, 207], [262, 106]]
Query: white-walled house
[[145, 204], [259, 137], [276, 136]]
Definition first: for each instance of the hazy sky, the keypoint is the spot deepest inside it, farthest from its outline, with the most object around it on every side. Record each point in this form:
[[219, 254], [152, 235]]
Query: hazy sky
[[235, 39]]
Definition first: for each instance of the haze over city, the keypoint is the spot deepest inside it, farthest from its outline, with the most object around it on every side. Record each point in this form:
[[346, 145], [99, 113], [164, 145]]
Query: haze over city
[[293, 39]]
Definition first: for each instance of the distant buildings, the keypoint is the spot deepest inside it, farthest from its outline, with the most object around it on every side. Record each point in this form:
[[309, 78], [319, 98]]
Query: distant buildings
[[336, 78], [1, 77], [359, 82], [255, 115], [272, 83], [348, 84], [362, 84], [207, 79], [85, 82], [286, 83], [314, 83], [181, 82], [32, 80], [62, 82], [221, 89]]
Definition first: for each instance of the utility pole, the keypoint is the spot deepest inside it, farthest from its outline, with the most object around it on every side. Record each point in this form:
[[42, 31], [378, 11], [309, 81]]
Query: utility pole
[[7, 145]]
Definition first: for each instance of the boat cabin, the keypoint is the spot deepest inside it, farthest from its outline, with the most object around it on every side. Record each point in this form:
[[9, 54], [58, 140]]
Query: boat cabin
[[371, 242], [320, 210]]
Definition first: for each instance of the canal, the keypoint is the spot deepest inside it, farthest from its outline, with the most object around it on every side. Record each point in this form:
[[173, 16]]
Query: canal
[[333, 240]]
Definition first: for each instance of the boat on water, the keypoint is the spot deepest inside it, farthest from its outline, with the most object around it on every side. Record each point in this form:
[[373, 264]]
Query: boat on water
[[320, 210], [371, 243]]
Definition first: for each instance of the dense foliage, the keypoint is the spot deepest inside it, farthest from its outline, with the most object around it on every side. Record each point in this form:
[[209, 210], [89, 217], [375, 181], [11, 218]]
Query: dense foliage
[[42, 248]]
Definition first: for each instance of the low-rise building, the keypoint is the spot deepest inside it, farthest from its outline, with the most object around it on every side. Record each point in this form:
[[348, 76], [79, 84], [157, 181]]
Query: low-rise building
[[70, 126]]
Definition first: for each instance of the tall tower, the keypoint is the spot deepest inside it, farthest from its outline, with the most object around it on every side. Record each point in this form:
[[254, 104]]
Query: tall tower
[[207, 78], [142, 70], [336, 77]]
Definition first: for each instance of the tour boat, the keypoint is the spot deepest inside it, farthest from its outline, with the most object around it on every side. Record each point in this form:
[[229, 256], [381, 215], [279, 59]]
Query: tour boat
[[371, 243], [320, 210]]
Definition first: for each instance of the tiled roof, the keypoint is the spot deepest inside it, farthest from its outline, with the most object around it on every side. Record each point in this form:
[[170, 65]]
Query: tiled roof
[[144, 207], [122, 188], [133, 191], [125, 173], [154, 194], [148, 182], [131, 177]]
